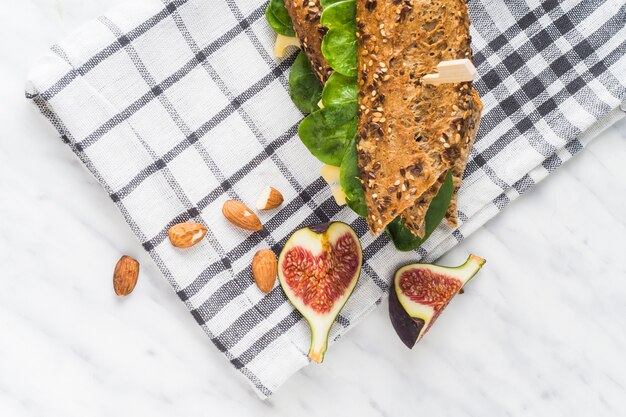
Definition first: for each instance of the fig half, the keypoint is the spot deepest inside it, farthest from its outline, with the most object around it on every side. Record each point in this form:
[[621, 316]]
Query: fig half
[[318, 268], [420, 293]]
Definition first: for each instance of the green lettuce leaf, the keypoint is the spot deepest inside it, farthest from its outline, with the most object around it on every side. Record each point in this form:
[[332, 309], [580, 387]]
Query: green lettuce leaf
[[339, 45], [278, 18], [340, 89], [340, 15], [350, 181], [328, 132], [304, 87], [326, 3], [403, 239]]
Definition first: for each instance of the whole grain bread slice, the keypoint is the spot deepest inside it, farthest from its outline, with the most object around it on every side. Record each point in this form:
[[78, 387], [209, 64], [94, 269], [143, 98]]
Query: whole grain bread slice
[[414, 217], [410, 134], [404, 146], [470, 127], [460, 137], [305, 16]]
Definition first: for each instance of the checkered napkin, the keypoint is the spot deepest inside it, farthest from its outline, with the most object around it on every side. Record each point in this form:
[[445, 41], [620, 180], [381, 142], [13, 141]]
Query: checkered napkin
[[177, 106]]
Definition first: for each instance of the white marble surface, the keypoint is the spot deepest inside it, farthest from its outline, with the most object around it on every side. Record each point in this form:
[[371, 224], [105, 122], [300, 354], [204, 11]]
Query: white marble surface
[[540, 332]]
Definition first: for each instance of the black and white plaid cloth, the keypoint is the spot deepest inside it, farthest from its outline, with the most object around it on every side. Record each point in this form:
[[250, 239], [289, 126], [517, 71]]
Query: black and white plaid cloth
[[177, 106]]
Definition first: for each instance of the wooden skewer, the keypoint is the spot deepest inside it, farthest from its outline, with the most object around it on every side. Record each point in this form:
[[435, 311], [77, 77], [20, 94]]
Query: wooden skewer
[[455, 71]]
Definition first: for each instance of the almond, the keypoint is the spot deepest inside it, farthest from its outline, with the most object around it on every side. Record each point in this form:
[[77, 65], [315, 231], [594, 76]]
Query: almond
[[264, 269], [125, 275], [185, 235], [241, 216], [269, 199]]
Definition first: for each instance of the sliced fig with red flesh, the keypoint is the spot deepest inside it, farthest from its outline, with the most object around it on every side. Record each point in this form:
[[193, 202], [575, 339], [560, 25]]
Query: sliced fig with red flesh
[[318, 268], [420, 293]]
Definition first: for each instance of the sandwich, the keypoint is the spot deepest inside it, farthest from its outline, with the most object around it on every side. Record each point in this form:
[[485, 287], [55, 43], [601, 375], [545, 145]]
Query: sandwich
[[397, 113]]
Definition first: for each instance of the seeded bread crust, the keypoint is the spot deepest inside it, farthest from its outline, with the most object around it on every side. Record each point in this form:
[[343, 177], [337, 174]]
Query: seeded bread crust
[[470, 128], [410, 134], [305, 16], [460, 136], [468, 108], [415, 217]]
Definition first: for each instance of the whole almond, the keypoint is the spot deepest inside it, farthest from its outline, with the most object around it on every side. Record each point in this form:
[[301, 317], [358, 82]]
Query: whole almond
[[186, 235], [241, 216], [269, 199], [125, 275], [264, 269]]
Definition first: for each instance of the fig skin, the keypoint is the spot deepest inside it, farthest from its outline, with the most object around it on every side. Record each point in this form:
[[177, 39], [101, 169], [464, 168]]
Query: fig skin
[[411, 318], [407, 328], [321, 227]]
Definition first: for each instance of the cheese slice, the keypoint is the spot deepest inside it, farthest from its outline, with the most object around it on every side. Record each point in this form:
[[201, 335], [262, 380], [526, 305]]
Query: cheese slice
[[282, 43], [331, 176]]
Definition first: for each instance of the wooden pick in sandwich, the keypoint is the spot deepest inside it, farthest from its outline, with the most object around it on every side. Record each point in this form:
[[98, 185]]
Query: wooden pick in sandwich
[[452, 71]]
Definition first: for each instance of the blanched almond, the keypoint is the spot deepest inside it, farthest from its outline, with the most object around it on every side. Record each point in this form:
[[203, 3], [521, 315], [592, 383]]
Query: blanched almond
[[269, 199]]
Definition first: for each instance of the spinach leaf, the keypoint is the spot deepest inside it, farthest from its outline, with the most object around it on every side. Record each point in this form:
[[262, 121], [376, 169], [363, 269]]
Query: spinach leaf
[[340, 89], [339, 45], [340, 14], [349, 179], [339, 48], [328, 132], [304, 87], [278, 18], [326, 3], [403, 239]]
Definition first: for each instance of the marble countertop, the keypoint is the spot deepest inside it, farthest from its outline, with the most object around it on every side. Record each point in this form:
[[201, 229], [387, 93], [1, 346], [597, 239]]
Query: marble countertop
[[540, 332]]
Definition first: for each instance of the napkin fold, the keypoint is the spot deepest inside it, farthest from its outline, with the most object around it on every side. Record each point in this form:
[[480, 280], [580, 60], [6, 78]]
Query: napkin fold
[[177, 106]]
